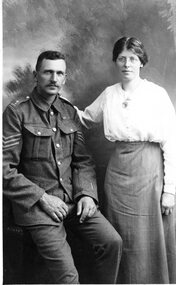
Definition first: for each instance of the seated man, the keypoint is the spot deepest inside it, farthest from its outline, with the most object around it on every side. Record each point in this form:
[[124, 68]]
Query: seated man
[[50, 179]]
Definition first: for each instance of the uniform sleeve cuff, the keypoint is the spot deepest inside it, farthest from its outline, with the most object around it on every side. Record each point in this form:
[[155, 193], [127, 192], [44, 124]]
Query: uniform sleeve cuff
[[85, 193]]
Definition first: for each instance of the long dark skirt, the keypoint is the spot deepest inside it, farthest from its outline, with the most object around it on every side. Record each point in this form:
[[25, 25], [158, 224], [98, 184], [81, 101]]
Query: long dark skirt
[[133, 189]]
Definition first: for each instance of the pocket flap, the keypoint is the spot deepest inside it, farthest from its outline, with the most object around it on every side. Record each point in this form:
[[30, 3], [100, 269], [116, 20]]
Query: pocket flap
[[68, 126], [39, 130]]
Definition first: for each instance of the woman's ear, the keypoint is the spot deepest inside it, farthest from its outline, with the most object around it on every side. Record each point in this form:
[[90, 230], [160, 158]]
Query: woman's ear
[[35, 75]]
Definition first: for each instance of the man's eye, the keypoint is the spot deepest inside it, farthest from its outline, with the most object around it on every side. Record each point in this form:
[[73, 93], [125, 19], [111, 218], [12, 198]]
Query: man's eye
[[60, 74]]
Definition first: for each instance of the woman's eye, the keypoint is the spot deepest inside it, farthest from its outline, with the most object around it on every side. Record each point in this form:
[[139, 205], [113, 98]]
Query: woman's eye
[[121, 59]]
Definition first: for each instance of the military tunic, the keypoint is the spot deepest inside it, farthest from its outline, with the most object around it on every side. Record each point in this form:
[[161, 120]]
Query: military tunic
[[44, 151]]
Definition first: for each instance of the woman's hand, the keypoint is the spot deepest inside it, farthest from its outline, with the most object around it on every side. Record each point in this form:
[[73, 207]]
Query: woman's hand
[[167, 203]]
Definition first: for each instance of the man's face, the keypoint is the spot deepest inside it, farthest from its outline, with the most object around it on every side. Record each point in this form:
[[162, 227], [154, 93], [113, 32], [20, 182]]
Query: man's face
[[51, 77]]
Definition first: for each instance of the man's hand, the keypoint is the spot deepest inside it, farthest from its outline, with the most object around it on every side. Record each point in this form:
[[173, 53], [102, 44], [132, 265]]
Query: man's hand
[[167, 203], [54, 207], [86, 207]]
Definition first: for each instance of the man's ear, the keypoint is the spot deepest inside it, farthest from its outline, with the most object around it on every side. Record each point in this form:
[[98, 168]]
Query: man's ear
[[65, 79]]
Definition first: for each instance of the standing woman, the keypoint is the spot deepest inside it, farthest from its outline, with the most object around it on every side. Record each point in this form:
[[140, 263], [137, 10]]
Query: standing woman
[[140, 181]]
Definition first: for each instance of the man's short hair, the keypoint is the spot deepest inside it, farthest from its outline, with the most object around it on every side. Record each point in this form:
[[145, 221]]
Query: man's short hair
[[49, 54]]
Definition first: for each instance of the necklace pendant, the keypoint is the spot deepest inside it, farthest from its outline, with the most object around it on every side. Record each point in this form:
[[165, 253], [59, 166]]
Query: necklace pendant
[[124, 104]]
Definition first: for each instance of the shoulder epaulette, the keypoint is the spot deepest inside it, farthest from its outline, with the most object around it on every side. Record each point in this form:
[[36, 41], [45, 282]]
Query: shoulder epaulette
[[19, 101], [66, 100]]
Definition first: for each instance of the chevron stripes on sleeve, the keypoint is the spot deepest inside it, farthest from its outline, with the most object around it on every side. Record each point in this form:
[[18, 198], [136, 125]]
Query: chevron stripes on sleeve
[[11, 141]]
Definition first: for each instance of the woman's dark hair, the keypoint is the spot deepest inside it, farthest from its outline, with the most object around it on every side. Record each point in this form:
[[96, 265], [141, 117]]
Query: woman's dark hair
[[49, 54], [132, 44]]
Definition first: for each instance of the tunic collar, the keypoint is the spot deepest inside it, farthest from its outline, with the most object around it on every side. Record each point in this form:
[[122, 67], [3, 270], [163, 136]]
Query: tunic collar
[[44, 105]]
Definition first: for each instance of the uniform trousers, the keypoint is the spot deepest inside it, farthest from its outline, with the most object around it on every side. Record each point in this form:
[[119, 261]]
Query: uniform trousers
[[96, 231]]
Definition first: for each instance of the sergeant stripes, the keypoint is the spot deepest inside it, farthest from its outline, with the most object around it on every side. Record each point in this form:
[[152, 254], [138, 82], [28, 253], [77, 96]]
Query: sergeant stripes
[[11, 141]]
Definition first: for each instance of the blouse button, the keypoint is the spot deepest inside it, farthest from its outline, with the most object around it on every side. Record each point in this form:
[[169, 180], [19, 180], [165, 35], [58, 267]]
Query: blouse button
[[39, 133], [57, 145], [124, 104], [51, 113], [54, 129]]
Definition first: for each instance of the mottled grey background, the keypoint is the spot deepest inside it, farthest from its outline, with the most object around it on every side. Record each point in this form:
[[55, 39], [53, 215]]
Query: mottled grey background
[[85, 30]]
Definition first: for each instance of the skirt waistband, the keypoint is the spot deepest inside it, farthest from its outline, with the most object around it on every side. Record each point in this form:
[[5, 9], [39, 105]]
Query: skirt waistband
[[136, 143]]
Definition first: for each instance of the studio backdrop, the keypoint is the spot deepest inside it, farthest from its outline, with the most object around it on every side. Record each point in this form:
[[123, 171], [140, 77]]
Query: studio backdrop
[[85, 32]]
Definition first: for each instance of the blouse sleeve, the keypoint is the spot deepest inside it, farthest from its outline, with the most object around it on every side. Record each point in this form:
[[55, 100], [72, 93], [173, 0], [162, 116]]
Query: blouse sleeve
[[168, 144], [93, 114]]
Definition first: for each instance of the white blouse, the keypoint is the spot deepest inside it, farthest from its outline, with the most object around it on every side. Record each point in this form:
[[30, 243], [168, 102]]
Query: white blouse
[[146, 114]]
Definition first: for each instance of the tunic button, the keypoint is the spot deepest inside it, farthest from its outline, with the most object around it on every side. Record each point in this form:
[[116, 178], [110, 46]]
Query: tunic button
[[57, 145], [39, 133], [54, 129], [59, 163], [61, 179], [51, 113], [27, 97], [71, 130]]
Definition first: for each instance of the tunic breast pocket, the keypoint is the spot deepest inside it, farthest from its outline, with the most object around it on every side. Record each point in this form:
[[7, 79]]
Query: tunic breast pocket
[[67, 130], [37, 142]]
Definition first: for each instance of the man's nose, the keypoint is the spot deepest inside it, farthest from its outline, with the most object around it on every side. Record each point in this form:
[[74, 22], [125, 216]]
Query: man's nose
[[54, 77]]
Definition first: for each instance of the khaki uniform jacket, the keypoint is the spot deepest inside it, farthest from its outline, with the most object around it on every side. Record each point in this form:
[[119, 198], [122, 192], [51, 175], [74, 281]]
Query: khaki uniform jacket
[[44, 150]]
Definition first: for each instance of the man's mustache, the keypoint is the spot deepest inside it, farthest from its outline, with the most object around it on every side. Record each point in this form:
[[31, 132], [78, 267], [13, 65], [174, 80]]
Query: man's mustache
[[50, 85]]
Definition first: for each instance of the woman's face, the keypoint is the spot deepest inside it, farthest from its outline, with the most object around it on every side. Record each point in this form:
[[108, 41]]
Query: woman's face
[[129, 65]]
